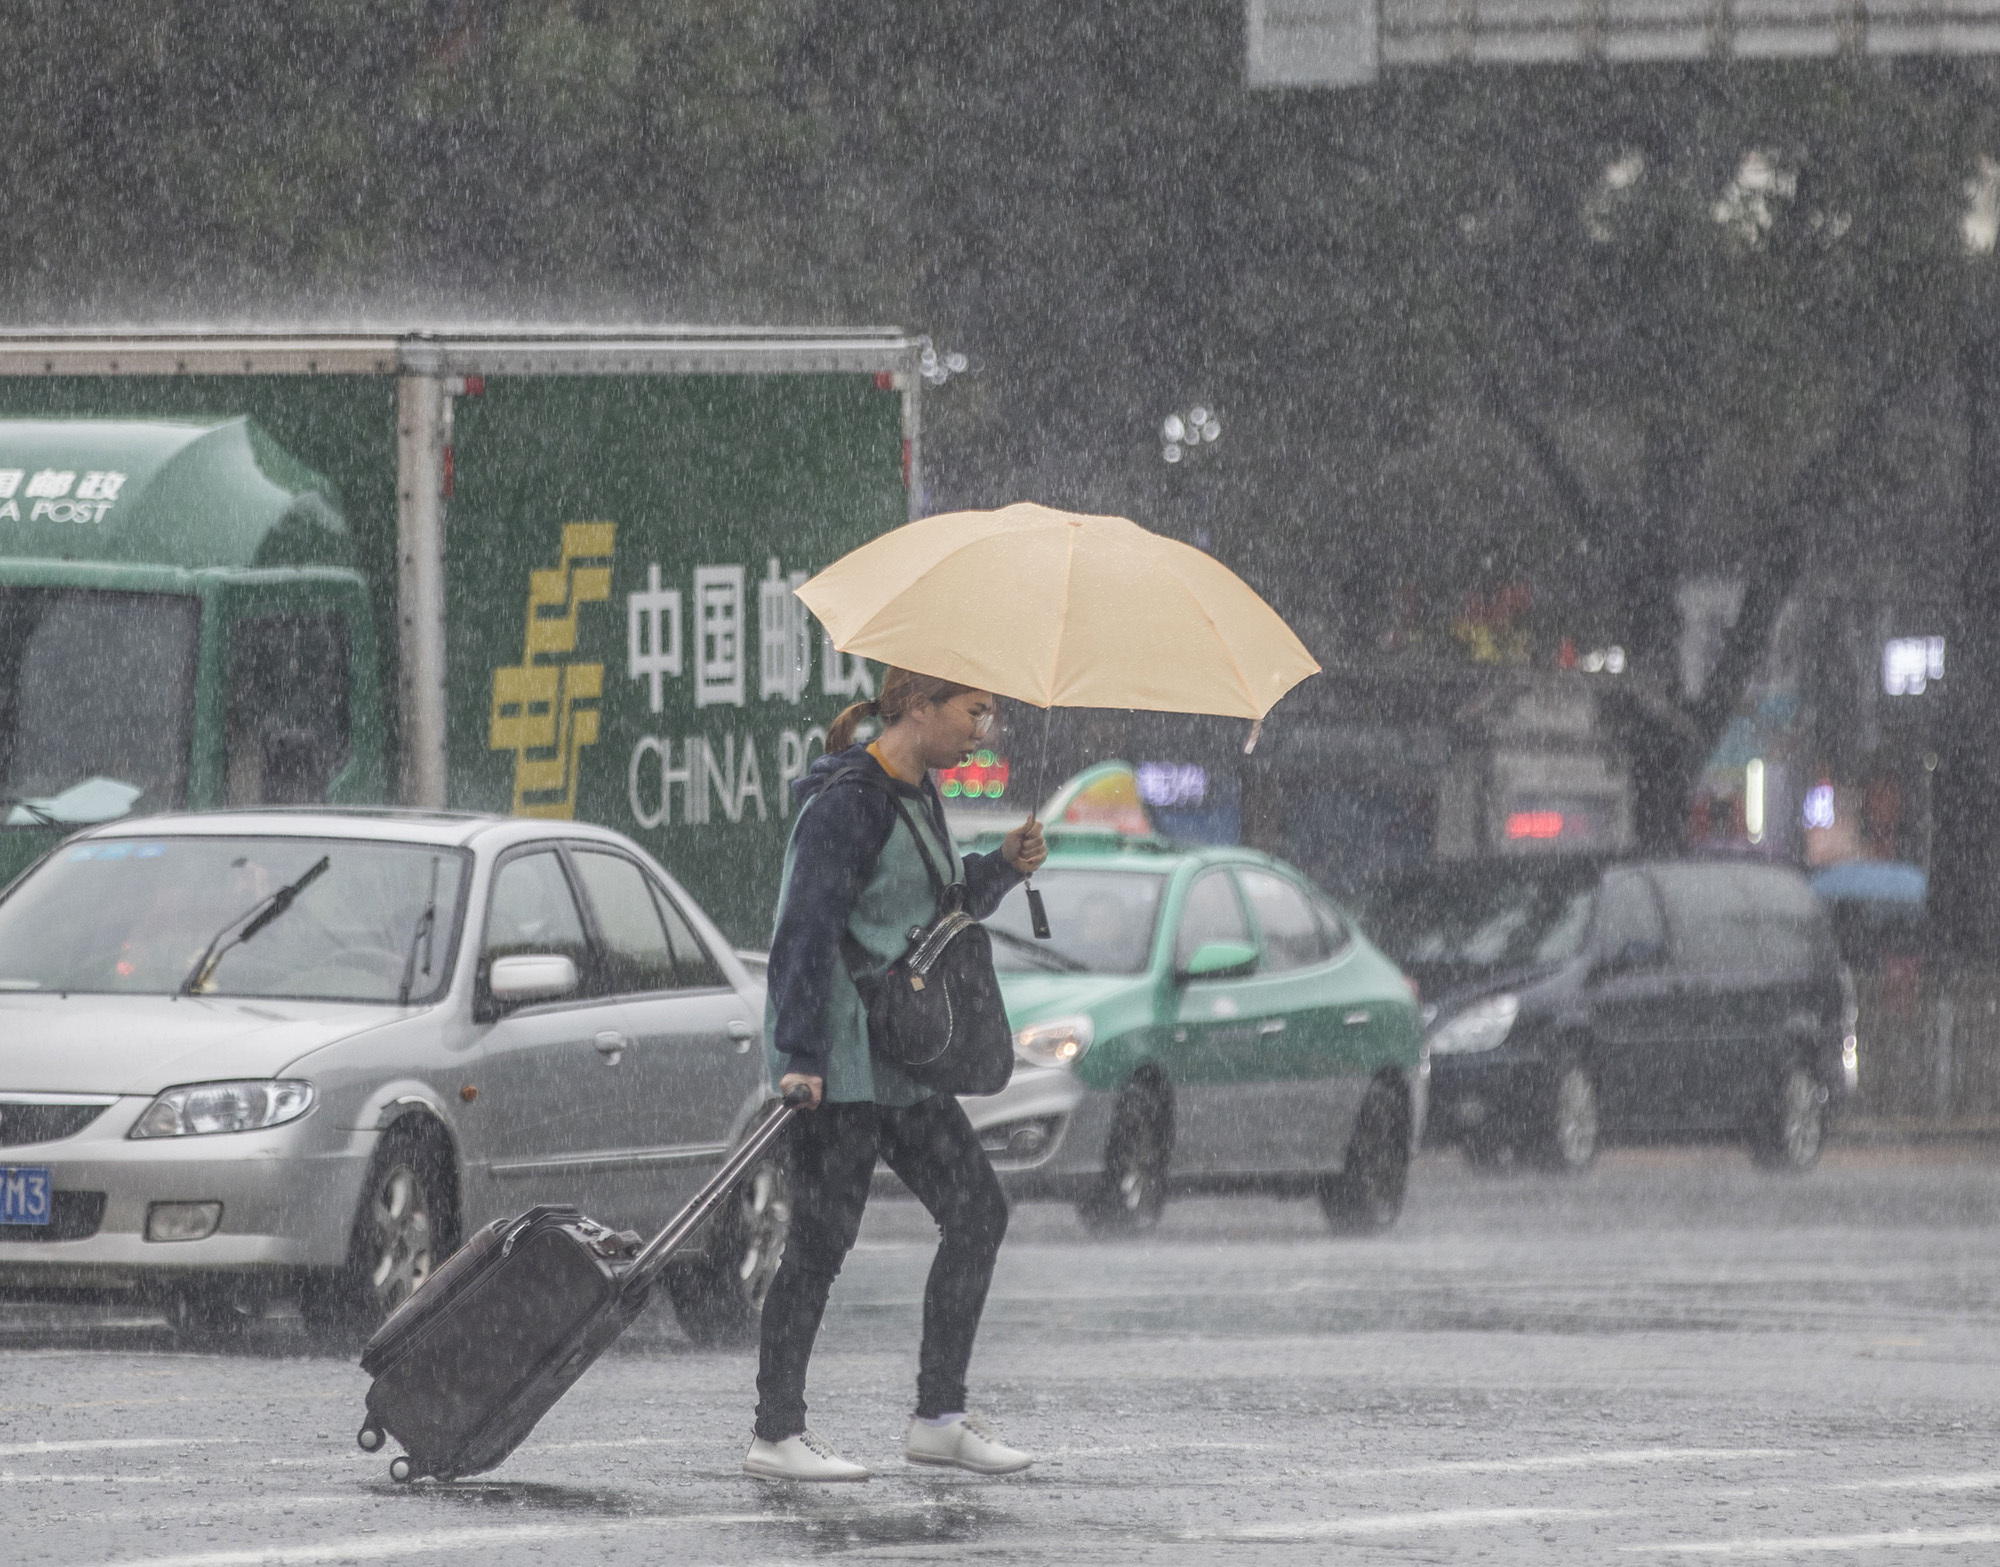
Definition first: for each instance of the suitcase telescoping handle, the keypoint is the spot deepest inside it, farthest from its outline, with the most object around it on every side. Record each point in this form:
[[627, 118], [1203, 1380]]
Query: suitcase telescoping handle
[[658, 1251]]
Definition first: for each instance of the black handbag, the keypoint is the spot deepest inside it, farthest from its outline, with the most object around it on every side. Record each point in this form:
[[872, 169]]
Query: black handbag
[[936, 1011]]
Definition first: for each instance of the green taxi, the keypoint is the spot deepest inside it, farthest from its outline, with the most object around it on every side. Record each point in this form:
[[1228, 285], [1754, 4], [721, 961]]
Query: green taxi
[[1202, 1019]]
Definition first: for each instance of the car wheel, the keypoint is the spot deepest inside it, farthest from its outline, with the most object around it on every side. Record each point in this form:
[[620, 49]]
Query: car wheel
[[1795, 1123], [1132, 1191], [403, 1231], [719, 1298], [1367, 1195], [1568, 1140]]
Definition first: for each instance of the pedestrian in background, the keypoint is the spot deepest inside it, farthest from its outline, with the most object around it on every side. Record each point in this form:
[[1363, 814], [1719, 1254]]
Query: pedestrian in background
[[854, 873]]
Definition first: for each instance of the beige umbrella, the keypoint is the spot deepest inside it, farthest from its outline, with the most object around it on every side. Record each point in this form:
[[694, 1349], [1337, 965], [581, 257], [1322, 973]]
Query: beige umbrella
[[1061, 610]]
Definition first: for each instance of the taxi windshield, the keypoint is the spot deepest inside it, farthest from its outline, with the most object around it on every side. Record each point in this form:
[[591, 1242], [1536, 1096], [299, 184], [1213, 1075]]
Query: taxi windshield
[[154, 916], [1100, 922]]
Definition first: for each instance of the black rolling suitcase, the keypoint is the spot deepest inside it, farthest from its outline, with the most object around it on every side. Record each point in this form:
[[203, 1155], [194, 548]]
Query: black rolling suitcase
[[467, 1365]]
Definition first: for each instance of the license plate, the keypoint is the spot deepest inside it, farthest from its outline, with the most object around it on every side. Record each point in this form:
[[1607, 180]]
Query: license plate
[[24, 1194]]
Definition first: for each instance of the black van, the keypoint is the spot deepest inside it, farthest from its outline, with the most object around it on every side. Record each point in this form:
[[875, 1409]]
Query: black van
[[1573, 999]]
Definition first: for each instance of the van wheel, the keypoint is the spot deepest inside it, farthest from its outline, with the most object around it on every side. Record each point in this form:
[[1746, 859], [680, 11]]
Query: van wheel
[[719, 1298], [1367, 1195], [1794, 1123], [1568, 1133], [1130, 1194], [405, 1229]]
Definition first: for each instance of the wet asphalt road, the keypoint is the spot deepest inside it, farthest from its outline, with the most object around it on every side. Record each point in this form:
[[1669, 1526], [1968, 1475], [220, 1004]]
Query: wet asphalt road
[[1673, 1359]]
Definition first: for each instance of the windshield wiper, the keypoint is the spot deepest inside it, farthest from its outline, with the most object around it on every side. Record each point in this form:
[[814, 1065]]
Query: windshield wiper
[[1059, 962], [424, 933], [257, 916]]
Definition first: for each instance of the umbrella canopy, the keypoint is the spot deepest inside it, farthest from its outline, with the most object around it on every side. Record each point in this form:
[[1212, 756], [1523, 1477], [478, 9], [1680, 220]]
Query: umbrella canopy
[[1061, 610]]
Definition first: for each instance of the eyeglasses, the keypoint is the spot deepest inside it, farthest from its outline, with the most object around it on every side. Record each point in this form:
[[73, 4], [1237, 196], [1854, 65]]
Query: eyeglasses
[[982, 726]]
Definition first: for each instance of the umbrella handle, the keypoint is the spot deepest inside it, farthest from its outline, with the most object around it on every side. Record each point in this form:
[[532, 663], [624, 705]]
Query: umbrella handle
[[1038, 917]]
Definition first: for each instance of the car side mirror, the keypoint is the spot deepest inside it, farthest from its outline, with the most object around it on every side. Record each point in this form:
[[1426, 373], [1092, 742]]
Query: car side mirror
[[1219, 960], [531, 976], [1640, 952]]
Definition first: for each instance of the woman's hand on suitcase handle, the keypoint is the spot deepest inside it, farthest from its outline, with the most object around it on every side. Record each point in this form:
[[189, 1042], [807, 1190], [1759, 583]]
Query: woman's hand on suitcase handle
[[800, 1091]]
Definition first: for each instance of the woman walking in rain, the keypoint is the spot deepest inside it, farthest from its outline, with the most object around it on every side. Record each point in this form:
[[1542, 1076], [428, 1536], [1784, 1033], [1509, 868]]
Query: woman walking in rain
[[855, 879]]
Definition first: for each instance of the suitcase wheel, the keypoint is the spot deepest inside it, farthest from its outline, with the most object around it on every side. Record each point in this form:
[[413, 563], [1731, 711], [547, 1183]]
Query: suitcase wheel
[[401, 1470], [370, 1438]]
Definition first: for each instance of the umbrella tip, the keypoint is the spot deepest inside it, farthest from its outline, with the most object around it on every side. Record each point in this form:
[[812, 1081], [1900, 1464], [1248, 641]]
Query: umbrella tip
[[1256, 729]]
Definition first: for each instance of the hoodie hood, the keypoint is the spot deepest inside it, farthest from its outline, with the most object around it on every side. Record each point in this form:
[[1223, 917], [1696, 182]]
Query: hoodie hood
[[826, 764]]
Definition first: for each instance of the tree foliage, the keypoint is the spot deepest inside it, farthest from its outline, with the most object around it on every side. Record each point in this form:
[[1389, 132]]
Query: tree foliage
[[1585, 327]]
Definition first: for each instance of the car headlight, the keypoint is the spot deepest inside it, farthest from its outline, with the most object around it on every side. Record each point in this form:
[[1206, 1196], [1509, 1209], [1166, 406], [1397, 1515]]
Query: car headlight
[[1058, 1042], [199, 1108], [1480, 1026]]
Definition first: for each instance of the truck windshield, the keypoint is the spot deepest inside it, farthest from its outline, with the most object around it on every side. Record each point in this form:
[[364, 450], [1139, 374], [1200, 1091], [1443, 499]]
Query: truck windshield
[[96, 703], [135, 916]]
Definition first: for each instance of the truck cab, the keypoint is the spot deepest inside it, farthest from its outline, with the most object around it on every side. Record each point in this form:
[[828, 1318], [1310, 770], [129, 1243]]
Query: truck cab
[[181, 626]]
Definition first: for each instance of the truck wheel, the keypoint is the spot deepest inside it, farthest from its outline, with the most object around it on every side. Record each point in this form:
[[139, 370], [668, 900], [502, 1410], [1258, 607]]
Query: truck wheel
[[1132, 1190], [404, 1229], [1568, 1133], [1486, 1147], [1366, 1197], [1794, 1123], [212, 1316], [719, 1298]]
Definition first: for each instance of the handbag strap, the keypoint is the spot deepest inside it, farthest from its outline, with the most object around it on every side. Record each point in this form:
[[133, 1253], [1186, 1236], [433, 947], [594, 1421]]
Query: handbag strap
[[860, 964]]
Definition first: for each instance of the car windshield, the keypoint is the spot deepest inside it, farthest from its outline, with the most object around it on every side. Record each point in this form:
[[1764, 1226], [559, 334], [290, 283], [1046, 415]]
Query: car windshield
[[96, 699], [135, 916], [1100, 922], [1487, 922]]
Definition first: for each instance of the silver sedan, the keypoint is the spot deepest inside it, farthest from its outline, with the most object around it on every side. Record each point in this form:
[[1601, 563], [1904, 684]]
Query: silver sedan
[[257, 1055]]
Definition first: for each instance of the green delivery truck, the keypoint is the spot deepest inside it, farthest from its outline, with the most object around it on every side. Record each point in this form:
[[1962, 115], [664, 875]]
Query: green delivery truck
[[547, 573]]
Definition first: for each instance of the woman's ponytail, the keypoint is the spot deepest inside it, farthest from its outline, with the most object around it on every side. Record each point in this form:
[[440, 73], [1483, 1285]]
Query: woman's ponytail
[[840, 733], [901, 691]]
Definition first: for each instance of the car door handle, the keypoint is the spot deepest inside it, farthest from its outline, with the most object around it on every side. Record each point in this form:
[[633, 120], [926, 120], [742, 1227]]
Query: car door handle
[[1355, 1019], [1271, 1025], [611, 1046], [742, 1033]]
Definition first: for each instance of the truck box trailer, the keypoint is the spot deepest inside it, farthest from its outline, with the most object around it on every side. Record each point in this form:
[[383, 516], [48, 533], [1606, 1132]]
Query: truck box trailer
[[542, 572]]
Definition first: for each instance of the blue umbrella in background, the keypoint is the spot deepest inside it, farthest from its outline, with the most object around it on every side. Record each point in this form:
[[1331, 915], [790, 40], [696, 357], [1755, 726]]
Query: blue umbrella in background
[[1873, 881]]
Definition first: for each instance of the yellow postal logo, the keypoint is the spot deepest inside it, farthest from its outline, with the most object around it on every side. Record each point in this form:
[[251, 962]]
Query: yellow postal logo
[[545, 707]]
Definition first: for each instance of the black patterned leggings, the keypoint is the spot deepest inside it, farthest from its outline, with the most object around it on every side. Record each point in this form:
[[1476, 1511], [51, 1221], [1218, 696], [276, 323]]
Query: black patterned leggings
[[831, 1157]]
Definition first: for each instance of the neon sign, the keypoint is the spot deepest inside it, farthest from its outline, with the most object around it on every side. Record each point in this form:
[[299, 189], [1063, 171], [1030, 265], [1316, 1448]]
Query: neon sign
[[1535, 824], [1172, 783], [982, 778]]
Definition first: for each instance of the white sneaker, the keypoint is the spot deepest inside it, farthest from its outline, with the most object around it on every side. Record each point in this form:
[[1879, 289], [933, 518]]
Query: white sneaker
[[801, 1457], [965, 1443]]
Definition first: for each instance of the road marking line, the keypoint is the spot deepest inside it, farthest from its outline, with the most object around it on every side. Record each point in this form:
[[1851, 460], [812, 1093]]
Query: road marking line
[[1142, 1449], [1982, 1480], [105, 1444], [1406, 1523], [1964, 1482], [160, 1477], [1789, 1546], [376, 1547], [272, 1510], [1617, 1458]]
